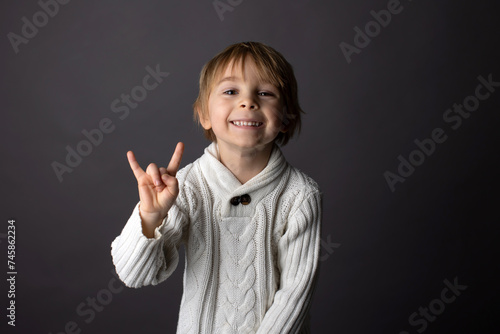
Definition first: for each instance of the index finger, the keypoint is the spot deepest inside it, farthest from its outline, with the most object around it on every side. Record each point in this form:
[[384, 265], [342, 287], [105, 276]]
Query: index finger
[[134, 165], [175, 161]]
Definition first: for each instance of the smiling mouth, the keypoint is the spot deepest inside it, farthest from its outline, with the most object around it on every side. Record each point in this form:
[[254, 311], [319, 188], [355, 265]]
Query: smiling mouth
[[243, 123]]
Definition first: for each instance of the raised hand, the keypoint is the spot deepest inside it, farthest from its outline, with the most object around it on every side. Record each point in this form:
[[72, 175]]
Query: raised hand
[[158, 189]]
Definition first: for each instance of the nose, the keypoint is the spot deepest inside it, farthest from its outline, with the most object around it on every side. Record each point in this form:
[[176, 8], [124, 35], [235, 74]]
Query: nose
[[248, 102], [250, 106]]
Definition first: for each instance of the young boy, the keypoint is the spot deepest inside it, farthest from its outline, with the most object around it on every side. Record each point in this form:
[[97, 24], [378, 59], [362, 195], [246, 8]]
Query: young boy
[[250, 223]]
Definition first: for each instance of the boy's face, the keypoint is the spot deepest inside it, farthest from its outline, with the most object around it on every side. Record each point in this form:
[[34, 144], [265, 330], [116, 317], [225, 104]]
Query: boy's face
[[244, 112]]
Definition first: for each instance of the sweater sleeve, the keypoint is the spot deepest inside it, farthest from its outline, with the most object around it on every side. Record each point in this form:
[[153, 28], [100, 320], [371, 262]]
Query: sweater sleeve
[[141, 261], [298, 256]]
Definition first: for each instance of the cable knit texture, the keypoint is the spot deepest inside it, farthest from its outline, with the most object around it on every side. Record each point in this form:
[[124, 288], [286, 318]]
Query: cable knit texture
[[249, 268]]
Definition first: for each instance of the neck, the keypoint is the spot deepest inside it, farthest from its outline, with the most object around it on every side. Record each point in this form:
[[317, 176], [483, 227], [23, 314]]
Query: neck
[[244, 164]]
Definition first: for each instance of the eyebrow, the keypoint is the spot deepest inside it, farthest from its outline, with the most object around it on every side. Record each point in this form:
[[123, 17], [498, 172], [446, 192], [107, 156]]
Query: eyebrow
[[236, 79], [228, 79]]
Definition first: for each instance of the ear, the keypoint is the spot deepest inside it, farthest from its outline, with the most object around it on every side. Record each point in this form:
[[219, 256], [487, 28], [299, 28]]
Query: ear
[[204, 120]]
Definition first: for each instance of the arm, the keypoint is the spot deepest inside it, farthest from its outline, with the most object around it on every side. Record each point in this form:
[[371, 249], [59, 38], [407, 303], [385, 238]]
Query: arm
[[141, 261], [298, 256], [146, 252]]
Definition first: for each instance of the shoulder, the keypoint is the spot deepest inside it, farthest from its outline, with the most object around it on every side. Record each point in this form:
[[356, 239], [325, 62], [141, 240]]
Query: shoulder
[[192, 182], [189, 187], [192, 172], [301, 183], [186, 172], [299, 191]]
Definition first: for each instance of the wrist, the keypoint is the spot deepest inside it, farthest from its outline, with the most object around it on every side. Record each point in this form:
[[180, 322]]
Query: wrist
[[150, 222]]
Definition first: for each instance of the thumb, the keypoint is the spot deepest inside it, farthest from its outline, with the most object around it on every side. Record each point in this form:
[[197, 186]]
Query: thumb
[[171, 182]]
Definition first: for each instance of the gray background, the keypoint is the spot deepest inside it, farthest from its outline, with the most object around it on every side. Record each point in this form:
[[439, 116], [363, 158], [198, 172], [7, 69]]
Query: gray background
[[385, 254]]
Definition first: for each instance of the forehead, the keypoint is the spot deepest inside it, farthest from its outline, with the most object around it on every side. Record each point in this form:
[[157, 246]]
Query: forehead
[[235, 68]]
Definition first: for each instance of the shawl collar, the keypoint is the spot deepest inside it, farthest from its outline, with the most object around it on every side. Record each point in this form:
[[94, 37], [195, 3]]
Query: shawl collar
[[226, 185]]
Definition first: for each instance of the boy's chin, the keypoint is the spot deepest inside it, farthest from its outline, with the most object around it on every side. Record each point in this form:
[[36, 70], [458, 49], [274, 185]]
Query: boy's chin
[[258, 147], [249, 145]]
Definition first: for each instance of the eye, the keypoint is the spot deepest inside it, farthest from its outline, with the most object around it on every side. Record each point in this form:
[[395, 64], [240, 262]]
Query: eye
[[230, 92], [266, 94]]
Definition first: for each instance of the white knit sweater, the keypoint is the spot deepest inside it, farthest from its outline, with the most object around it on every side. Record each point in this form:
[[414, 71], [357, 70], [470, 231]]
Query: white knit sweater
[[249, 268]]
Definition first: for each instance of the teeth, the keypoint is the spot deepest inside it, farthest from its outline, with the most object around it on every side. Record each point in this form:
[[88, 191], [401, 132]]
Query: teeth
[[242, 123]]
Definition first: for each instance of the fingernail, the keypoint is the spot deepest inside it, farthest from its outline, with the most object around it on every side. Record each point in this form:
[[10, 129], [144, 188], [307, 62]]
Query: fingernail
[[157, 182]]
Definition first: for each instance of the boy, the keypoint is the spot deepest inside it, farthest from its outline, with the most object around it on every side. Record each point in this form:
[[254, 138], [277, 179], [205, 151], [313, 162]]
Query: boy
[[249, 221]]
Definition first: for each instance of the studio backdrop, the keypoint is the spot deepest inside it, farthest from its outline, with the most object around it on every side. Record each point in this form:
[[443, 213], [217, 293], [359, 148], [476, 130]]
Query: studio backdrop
[[400, 131]]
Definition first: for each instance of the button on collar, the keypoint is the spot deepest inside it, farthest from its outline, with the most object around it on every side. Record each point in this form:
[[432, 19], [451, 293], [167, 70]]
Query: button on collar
[[243, 199]]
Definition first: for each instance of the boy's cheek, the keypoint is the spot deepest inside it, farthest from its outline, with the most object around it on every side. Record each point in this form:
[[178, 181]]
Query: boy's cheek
[[279, 116]]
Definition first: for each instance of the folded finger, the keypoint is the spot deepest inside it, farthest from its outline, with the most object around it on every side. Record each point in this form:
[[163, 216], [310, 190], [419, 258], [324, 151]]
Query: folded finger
[[154, 173]]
